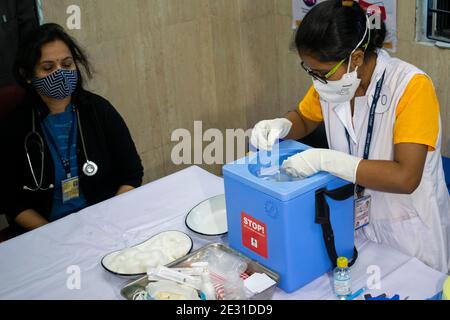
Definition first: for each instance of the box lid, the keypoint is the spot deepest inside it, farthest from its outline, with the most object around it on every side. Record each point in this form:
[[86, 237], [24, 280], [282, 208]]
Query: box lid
[[248, 171]]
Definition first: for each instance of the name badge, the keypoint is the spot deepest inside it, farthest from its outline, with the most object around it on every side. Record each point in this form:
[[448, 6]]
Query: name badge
[[70, 189], [362, 212]]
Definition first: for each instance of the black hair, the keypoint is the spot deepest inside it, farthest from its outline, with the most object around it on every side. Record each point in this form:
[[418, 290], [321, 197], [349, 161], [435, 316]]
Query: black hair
[[331, 31], [31, 50]]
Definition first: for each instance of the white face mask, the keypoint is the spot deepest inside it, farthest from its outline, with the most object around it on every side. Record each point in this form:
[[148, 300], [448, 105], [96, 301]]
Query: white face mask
[[339, 91], [343, 90]]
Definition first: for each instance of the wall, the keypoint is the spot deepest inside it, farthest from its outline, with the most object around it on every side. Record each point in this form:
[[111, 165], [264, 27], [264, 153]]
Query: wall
[[166, 63], [434, 61]]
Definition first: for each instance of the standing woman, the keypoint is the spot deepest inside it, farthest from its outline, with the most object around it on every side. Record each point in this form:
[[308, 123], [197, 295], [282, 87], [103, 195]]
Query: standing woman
[[66, 148], [18, 18], [383, 126]]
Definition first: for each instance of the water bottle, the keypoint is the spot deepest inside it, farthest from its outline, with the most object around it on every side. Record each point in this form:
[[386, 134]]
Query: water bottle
[[342, 279]]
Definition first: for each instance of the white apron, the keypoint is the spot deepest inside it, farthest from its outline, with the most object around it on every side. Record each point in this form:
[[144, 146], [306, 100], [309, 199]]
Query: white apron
[[416, 224]]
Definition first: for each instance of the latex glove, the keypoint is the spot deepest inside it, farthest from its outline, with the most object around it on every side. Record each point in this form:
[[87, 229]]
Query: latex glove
[[267, 132], [310, 162]]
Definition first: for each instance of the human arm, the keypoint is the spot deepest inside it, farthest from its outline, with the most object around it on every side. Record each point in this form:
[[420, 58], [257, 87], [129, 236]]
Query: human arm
[[30, 220]]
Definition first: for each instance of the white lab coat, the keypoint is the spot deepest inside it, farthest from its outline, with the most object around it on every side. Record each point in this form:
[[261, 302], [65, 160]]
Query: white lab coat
[[416, 224]]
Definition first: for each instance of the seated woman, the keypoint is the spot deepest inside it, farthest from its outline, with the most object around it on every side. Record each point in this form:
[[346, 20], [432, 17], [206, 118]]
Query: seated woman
[[66, 148]]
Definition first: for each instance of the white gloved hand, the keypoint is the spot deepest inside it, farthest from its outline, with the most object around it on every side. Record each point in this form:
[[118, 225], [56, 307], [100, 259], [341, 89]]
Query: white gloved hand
[[310, 162], [266, 133]]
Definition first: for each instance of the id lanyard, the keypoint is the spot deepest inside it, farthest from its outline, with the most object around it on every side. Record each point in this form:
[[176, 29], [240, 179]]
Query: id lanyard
[[64, 160], [359, 189]]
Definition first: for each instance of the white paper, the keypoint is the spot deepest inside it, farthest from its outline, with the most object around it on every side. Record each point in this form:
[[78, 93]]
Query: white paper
[[258, 282]]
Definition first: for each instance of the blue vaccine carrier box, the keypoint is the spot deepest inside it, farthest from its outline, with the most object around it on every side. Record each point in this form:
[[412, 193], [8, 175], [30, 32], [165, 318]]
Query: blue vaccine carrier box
[[274, 222]]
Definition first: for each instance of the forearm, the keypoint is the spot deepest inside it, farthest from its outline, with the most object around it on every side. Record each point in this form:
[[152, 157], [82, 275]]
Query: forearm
[[30, 220], [387, 176], [124, 189], [300, 126]]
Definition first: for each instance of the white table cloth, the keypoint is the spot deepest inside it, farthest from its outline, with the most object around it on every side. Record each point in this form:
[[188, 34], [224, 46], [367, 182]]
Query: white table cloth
[[39, 264]]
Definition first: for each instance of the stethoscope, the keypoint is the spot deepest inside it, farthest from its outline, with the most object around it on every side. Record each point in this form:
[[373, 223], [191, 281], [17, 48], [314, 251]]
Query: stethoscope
[[90, 169]]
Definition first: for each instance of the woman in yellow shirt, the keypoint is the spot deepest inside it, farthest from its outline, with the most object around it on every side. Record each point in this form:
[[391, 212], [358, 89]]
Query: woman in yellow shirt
[[382, 120]]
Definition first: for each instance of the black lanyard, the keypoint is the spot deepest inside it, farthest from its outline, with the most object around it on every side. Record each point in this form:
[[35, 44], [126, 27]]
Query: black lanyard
[[359, 189], [64, 160]]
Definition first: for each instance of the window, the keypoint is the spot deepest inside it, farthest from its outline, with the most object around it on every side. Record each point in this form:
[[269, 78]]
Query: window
[[438, 20]]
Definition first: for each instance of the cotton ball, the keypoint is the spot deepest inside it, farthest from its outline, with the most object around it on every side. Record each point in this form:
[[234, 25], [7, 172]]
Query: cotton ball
[[158, 243], [117, 259], [143, 256], [160, 257], [132, 266], [120, 258], [113, 267], [113, 262], [169, 242], [121, 269], [146, 247], [175, 246], [150, 262], [178, 252], [152, 259], [130, 253], [109, 259]]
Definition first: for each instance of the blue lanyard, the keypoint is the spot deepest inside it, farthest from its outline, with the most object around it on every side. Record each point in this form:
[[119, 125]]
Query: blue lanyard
[[64, 160], [373, 108]]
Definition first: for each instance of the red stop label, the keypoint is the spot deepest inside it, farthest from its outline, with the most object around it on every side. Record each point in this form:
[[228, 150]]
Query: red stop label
[[254, 235]]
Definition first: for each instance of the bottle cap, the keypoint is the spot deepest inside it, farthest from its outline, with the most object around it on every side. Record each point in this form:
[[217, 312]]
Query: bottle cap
[[446, 291], [342, 262], [347, 3]]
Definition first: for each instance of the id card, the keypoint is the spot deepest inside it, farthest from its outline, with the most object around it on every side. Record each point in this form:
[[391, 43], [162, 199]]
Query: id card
[[362, 212], [70, 189]]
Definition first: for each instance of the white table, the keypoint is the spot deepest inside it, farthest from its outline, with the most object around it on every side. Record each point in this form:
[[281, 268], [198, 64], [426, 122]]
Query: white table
[[39, 264]]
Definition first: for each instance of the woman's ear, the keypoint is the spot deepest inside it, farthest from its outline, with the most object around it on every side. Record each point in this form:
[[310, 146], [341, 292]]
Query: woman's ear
[[357, 58]]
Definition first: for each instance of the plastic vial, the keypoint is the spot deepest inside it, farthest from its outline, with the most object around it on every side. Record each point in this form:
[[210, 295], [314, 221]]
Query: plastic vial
[[342, 279], [234, 287]]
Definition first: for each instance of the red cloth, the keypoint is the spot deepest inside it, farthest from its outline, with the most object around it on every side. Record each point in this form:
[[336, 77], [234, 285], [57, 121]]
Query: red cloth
[[10, 97]]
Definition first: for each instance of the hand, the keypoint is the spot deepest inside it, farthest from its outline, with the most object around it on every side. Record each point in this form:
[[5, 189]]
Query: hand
[[310, 162], [266, 133]]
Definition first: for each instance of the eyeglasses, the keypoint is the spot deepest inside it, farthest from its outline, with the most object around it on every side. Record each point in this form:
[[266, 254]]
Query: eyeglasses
[[319, 77], [323, 78]]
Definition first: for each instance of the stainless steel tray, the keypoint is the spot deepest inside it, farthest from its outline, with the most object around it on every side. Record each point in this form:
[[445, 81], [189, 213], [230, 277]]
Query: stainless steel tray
[[139, 285]]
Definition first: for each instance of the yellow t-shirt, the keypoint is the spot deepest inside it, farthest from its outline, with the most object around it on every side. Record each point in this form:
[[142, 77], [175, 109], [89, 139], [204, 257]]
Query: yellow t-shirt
[[417, 115]]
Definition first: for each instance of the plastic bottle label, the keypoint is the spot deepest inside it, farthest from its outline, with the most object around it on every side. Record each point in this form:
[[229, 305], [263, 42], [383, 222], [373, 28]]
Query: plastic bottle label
[[342, 287]]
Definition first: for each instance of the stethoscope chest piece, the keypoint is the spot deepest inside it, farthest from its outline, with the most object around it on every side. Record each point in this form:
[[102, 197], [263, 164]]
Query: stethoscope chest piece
[[90, 169]]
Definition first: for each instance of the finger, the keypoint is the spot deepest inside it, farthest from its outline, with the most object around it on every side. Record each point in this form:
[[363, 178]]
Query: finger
[[262, 139], [254, 138], [294, 168], [272, 138], [292, 172], [257, 135], [287, 164]]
